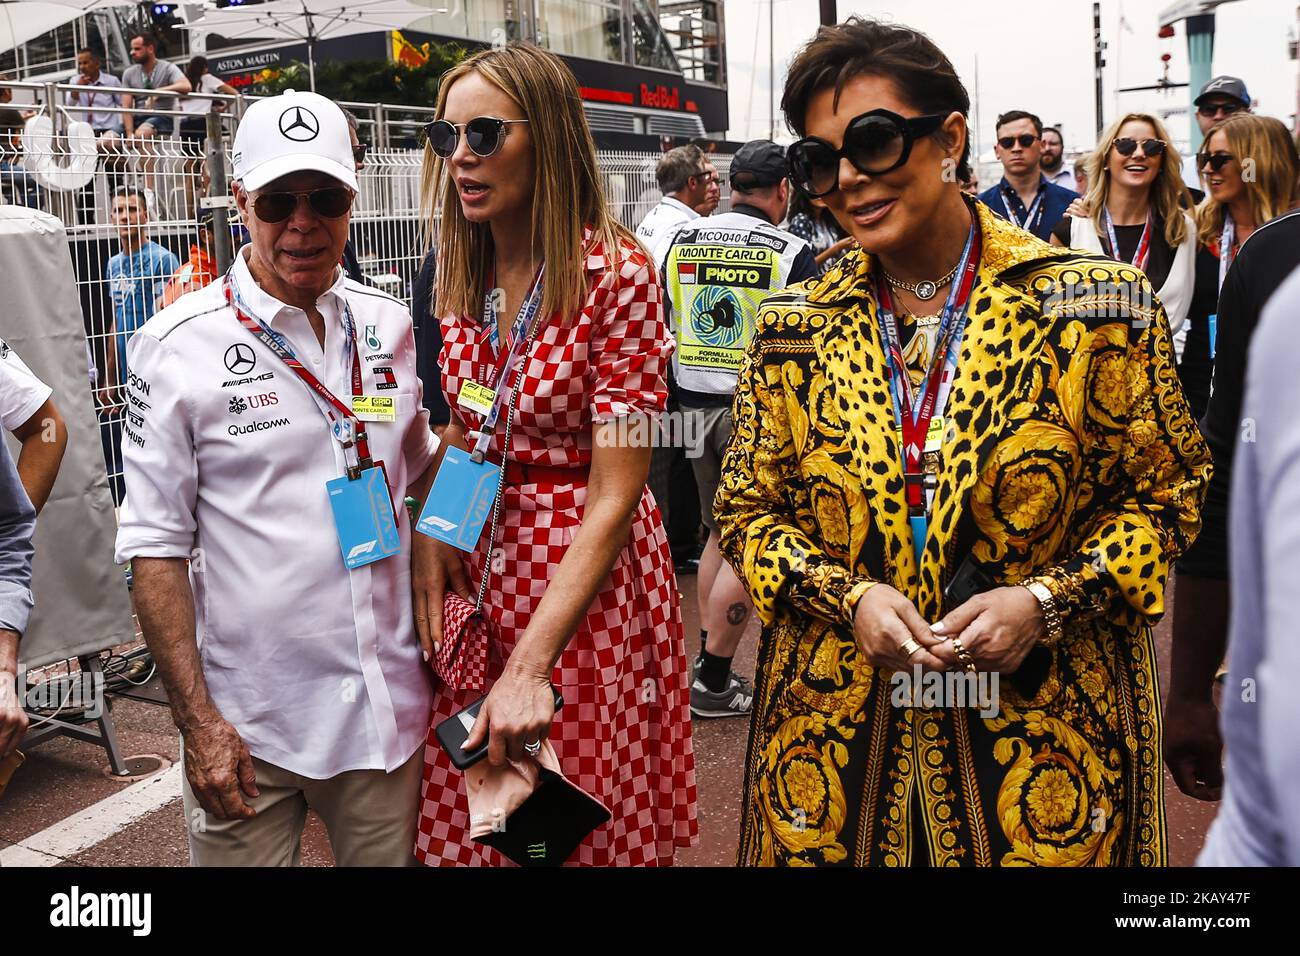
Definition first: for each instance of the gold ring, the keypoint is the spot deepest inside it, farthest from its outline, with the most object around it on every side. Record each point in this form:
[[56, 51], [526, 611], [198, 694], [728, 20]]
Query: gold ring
[[910, 646], [958, 646], [970, 667]]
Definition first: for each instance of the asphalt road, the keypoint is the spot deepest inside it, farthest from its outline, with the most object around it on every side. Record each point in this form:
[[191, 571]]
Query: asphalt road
[[52, 806]]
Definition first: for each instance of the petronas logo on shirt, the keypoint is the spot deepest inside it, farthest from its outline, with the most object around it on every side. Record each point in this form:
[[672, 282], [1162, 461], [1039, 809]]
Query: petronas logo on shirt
[[238, 406], [372, 340]]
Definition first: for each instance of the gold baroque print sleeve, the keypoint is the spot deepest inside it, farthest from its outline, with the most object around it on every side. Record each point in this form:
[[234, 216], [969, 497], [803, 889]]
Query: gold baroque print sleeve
[[1145, 467], [773, 555]]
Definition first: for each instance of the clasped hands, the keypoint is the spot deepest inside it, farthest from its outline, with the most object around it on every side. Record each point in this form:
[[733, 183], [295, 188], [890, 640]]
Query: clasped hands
[[995, 630]]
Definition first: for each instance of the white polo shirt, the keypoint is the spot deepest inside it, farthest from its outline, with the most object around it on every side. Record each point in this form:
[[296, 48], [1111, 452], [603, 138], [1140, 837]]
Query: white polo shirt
[[227, 451], [660, 221], [21, 392]]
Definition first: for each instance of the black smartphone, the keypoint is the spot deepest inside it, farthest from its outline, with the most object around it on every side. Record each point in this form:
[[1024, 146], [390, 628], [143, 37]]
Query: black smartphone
[[453, 731], [969, 580]]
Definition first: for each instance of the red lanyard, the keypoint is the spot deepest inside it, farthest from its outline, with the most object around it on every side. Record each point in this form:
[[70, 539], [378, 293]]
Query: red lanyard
[[347, 426], [1143, 250], [913, 418]]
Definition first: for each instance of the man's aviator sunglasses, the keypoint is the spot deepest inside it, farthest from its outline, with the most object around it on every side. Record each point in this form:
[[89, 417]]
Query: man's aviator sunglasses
[[876, 142], [329, 203], [483, 134]]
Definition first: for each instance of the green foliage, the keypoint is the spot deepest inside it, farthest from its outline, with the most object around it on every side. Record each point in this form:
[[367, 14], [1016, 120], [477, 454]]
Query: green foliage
[[369, 81]]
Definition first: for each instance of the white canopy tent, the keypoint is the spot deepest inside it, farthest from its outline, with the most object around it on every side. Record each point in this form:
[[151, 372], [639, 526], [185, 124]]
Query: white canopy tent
[[22, 20], [312, 20]]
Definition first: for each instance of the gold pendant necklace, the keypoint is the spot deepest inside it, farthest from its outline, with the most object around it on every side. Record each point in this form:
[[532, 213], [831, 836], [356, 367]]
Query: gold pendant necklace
[[925, 289]]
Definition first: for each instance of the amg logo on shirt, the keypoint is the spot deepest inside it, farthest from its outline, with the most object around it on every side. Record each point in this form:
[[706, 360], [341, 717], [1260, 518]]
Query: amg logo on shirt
[[384, 377], [244, 381]]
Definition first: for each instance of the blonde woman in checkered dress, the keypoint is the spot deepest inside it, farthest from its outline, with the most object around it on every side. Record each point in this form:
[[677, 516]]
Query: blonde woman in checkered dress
[[581, 590]]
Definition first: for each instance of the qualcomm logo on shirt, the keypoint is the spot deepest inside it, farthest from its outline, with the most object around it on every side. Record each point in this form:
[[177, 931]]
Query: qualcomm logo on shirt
[[258, 426]]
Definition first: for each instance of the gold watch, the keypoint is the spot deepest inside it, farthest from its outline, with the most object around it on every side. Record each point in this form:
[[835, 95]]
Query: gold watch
[[1051, 615]]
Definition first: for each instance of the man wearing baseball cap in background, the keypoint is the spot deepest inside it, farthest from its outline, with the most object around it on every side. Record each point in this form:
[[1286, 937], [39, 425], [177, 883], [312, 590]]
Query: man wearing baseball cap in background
[[1218, 99], [715, 271], [274, 427]]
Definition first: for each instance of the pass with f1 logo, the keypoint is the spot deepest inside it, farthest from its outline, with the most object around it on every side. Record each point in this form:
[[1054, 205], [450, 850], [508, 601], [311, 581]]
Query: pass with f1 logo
[[363, 518]]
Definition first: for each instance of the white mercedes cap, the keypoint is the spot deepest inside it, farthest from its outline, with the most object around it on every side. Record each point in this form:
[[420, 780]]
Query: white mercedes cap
[[290, 133]]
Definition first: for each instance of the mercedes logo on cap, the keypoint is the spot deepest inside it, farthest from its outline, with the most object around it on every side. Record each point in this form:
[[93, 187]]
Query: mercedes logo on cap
[[240, 359], [299, 124]]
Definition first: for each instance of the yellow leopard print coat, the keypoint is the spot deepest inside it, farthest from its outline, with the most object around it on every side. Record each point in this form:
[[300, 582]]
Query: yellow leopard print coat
[[1069, 452]]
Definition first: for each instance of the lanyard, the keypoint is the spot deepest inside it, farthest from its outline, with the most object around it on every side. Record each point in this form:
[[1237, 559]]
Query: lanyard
[[1227, 239], [1034, 217], [1143, 251], [347, 427], [912, 412], [521, 334]]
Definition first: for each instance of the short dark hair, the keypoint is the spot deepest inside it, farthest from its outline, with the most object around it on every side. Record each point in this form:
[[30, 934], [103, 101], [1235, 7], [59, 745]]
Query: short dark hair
[[145, 35], [922, 73], [1014, 115], [95, 53], [1052, 129], [126, 192], [11, 119]]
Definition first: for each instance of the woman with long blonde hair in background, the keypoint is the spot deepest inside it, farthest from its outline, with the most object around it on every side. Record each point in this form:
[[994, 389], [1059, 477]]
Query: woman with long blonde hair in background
[[1137, 210], [580, 592], [1250, 170]]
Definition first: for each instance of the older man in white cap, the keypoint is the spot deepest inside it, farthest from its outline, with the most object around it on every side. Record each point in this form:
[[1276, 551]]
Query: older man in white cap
[[274, 426]]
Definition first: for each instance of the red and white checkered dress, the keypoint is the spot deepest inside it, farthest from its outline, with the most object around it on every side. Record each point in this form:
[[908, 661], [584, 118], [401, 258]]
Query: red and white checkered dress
[[624, 733]]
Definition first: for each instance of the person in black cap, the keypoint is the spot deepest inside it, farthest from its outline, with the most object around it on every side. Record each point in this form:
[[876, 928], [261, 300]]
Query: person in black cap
[[1218, 99], [715, 271]]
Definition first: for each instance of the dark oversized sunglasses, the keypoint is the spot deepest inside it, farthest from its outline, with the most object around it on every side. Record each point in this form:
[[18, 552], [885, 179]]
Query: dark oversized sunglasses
[[1216, 161], [1126, 146], [1214, 109], [483, 134], [1024, 139], [359, 152], [875, 142], [329, 203]]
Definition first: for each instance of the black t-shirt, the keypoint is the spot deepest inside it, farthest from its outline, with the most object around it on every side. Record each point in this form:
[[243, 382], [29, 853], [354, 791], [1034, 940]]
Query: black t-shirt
[[1266, 259], [428, 342], [1159, 260]]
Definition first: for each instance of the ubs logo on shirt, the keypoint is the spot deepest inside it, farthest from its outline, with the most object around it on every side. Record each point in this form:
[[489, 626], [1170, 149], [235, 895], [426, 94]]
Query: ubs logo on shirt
[[240, 404]]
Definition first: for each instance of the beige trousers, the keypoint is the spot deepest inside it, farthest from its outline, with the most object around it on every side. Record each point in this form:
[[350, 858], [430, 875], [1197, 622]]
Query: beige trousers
[[371, 817]]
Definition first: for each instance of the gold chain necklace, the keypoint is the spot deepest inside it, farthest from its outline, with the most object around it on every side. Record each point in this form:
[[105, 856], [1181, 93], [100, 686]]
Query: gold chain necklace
[[925, 289]]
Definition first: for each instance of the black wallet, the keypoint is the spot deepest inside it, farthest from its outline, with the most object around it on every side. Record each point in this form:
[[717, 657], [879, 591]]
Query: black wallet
[[969, 580], [549, 825]]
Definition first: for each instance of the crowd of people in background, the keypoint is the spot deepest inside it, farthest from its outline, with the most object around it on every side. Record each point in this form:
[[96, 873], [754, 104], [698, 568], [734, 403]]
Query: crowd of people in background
[[888, 481]]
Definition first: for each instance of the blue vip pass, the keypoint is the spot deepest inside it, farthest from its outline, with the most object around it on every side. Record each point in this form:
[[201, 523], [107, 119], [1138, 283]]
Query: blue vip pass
[[460, 501], [363, 517], [1214, 328]]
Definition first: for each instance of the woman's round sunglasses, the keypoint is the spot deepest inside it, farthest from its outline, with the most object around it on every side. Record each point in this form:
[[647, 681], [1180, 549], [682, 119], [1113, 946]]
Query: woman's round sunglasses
[[329, 203], [875, 142], [483, 134], [1150, 147]]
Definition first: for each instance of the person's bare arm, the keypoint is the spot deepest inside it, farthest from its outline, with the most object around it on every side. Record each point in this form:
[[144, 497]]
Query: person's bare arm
[[128, 119], [13, 721], [217, 763], [521, 706], [44, 437]]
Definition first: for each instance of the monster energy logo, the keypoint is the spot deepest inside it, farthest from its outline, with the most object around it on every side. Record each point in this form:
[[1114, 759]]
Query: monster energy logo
[[537, 851]]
